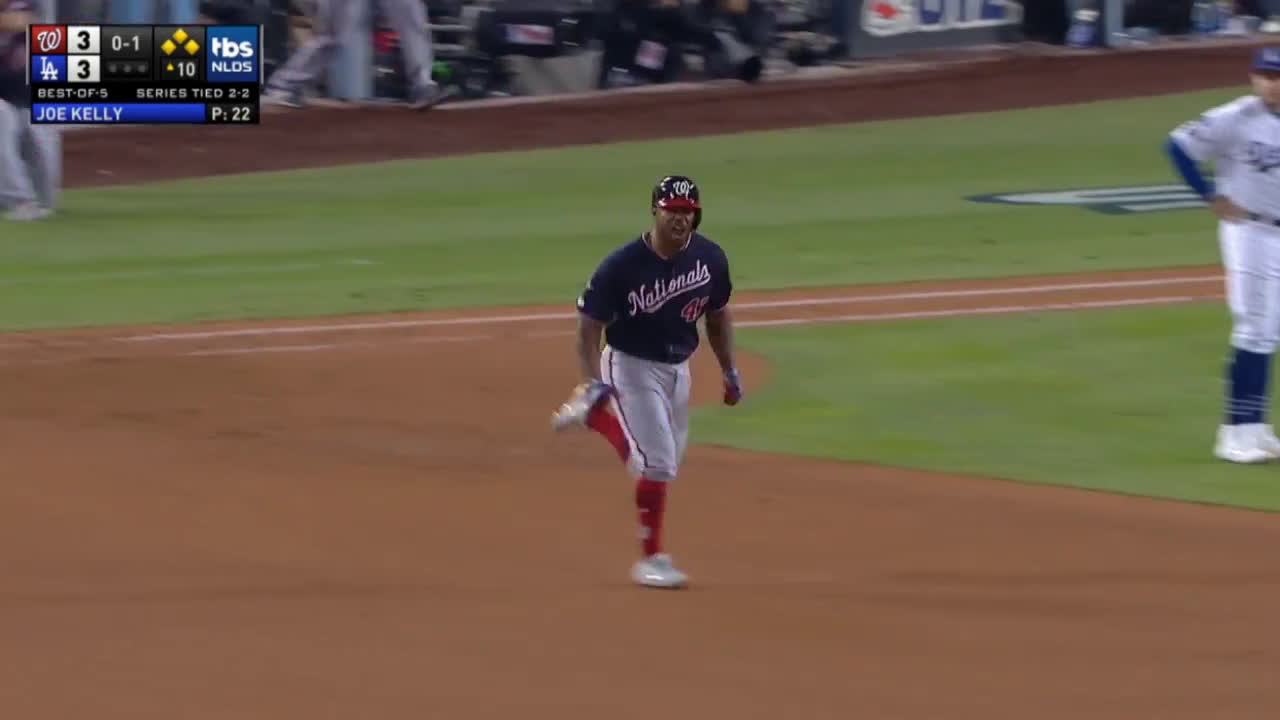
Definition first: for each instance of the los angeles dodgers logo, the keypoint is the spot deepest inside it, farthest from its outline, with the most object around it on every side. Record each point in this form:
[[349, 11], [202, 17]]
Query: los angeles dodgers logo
[[50, 68], [644, 299], [1262, 157]]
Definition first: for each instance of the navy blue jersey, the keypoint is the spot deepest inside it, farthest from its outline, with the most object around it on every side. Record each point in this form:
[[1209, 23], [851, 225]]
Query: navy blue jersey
[[650, 306]]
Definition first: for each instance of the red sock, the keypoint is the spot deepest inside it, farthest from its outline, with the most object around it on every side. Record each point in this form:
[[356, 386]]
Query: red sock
[[602, 420], [651, 500]]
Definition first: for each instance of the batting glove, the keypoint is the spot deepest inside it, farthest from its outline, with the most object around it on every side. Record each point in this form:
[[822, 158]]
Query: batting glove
[[732, 387]]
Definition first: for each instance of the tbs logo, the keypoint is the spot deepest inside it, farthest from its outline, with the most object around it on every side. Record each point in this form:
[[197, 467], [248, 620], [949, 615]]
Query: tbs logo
[[233, 54]]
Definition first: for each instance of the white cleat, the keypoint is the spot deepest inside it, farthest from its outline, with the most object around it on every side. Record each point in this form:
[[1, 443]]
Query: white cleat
[[1266, 440], [1240, 444], [657, 571], [284, 98], [574, 412], [28, 212]]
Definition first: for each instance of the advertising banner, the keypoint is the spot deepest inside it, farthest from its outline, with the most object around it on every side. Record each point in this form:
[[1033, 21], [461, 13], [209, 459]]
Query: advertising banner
[[882, 28]]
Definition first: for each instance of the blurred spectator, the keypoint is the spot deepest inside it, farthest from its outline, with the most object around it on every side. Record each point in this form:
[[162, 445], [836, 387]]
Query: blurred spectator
[[142, 12], [1167, 17], [648, 39], [751, 21], [1258, 8], [336, 18], [234, 12], [139, 12]]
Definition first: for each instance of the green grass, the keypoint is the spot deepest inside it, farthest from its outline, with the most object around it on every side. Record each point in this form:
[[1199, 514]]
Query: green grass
[[860, 203], [1120, 400]]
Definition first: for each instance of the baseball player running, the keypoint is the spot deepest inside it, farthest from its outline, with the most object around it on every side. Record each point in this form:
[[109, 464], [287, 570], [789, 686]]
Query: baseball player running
[[30, 155], [333, 18], [645, 299], [1242, 140]]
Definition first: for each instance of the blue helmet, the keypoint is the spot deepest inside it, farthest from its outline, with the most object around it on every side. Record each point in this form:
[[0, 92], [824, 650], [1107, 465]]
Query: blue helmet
[[1267, 60]]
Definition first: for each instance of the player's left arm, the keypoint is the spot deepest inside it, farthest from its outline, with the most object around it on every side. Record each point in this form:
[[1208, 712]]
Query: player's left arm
[[719, 325]]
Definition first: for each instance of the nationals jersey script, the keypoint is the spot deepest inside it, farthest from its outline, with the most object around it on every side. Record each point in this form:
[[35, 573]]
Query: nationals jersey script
[[651, 305]]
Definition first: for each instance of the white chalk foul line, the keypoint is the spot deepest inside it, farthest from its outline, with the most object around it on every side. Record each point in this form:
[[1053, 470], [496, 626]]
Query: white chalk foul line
[[167, 272], [865, 317], [981, 292], [258, 349], [756, 305], [267, 349], [1001, 310]]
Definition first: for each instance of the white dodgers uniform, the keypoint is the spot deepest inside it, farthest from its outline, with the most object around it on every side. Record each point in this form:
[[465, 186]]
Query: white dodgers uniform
[[1241, 139]]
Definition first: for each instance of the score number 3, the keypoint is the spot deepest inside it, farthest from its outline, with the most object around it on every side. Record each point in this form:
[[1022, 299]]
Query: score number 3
[[85, 69], [83, 63], [85, 39]]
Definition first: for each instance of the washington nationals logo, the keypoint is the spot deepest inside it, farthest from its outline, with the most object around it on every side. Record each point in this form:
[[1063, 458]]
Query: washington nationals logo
[[49, 40], [644, 299]]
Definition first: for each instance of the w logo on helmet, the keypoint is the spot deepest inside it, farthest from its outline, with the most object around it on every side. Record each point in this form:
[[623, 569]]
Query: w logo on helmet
[[678, 188], [678, 191]]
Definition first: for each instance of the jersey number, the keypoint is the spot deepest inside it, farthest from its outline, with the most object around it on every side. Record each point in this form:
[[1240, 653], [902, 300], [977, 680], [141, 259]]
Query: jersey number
[[693, 310]]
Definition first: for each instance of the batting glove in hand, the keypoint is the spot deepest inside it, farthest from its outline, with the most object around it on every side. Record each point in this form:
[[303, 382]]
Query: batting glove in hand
[[732, 387]]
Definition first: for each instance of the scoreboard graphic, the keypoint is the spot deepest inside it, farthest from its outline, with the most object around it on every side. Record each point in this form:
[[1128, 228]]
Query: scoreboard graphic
[[145, 74]]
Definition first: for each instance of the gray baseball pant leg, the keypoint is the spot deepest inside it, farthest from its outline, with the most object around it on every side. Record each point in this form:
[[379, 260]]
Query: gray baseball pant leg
[[15, 180], [41, 147], [314, 57], [409, 18], [31, 161]]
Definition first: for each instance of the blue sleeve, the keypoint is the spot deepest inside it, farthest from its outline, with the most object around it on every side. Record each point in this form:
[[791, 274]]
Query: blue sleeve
[[1188, 169], [601, 299]]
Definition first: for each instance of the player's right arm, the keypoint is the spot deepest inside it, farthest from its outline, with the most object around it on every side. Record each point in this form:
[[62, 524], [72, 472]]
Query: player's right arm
[[1207, 139], [590, 334], [597, 307]]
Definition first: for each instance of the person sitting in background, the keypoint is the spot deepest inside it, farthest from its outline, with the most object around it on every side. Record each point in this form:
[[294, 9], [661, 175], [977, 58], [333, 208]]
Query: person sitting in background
[[751, 21], [334, 17], [647, 39], [1269, 10]]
